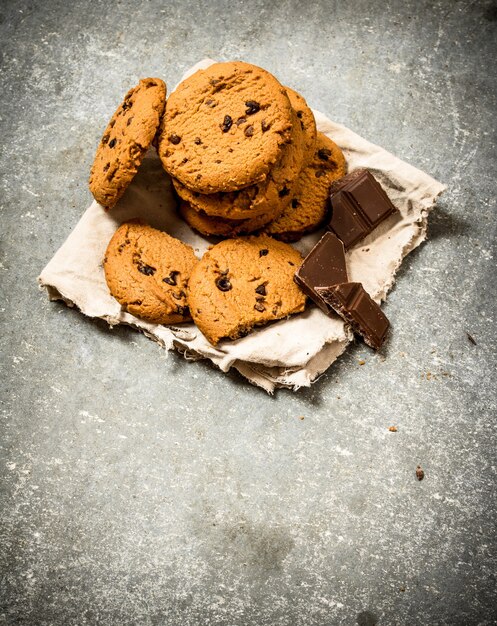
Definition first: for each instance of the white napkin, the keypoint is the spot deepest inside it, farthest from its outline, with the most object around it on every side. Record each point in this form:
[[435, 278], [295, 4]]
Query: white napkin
[[289, 353]]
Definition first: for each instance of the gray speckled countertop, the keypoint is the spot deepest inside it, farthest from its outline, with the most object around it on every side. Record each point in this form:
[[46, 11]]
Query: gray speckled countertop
[[138, 488]]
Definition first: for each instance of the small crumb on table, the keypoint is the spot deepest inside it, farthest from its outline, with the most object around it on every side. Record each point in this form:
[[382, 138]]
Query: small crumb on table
[[419, 473]]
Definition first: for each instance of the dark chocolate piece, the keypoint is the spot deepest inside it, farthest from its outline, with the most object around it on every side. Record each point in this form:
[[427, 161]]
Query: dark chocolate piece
[[322, 267], [358, 205], [352, 302]]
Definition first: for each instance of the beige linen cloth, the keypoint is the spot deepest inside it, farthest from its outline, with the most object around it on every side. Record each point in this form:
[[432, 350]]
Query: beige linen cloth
[[289, 353]]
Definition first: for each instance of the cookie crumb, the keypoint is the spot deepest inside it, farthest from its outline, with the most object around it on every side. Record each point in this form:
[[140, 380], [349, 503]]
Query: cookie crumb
[[393, 429], [301, 417], [419, 473], [471, 338], [362, 362]]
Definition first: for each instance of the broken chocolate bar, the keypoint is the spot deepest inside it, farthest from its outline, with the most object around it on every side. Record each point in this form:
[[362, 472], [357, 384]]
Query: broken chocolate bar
[[322, 267], [352, 302], [358, 205]]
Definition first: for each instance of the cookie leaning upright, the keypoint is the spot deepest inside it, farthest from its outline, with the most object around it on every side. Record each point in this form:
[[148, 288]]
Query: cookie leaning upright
[[242, 283], [126, 139], [147, 272], [224, 127]]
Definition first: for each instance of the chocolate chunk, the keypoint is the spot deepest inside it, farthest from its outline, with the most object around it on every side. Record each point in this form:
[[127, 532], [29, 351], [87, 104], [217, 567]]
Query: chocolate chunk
[[249, 131], [112, 143], [324, 266], [148, 270], [320, 173], [174, 139], [263, 252], [358, 204], [259, 307], [299, 114], [178, 296], [283, 192], [127, 105], [227, 124], [171, 279], [261, 289], [182, 310], [295, 203], [252, 107], [197, 141], [241, 120], [352, 302], [223, 283], [265, 126], [324, 154]]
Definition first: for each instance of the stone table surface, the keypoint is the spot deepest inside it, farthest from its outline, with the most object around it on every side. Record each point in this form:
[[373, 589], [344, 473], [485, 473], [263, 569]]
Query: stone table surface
[[139, 488]]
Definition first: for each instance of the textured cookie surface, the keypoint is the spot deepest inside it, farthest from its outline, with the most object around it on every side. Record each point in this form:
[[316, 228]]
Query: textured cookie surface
[[243, 283], [224, 127], [147, 272], [265, 197], [306, 119], [126, 139], [220, 227], [308, 206]]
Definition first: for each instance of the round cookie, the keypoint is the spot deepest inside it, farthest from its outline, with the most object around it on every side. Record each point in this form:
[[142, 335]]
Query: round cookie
[[309, 202], [264, 197], [126, 139], [243, 283], [220, 227], [147, 272], [224, 127]]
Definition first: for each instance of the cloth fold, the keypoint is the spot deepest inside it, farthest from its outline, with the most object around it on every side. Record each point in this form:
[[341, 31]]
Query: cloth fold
[[292, 352]]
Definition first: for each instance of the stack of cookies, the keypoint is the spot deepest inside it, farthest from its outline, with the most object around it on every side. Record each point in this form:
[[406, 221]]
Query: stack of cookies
[[245, 156]]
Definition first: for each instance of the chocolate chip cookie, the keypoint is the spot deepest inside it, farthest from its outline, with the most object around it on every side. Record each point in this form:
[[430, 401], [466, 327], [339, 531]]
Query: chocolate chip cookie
[[126, 139], [243, 283], [220, 227], [309, 202], [147, 272], [272, 193], [224, 127]]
